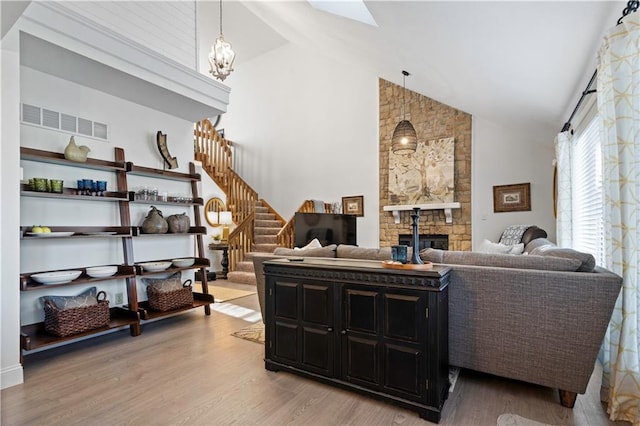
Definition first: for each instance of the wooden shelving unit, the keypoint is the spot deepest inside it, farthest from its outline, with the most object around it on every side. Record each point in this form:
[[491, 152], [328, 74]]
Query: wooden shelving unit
[[33, 336]]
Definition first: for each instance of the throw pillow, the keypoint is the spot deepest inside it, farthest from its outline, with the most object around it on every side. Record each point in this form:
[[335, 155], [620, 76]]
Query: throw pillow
[[86, 298], [490, 247], [163, 285], [327, 251], [312, 244], [513, 234]]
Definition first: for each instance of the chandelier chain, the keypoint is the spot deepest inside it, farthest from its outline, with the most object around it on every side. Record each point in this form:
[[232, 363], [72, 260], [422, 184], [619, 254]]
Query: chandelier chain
[[220, 16]]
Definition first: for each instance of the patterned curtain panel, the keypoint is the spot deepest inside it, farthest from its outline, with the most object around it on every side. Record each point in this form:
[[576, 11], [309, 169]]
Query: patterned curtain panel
[[563, 202], [619, 108]]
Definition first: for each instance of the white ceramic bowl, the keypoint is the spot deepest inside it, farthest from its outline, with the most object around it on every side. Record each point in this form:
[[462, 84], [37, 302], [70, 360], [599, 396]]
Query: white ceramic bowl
[[184, 262], [58, 277], [155, 266], [102, 271]]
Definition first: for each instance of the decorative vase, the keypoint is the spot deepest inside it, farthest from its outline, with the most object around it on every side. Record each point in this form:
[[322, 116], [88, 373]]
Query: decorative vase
[[179, 223], [74, 152], [154, 223]]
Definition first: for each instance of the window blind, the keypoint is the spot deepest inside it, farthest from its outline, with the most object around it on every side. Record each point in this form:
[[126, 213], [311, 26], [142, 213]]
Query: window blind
[[587, 197]]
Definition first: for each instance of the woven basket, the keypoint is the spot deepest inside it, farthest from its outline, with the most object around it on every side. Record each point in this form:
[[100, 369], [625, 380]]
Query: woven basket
[[65, 322], [168, 300]]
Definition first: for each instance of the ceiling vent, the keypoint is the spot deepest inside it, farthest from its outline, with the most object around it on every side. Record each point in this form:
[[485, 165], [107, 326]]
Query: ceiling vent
[[50, 119]]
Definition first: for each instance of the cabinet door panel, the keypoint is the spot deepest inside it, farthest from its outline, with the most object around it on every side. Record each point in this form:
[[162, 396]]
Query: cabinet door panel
[[317, 350], [317, 302], [361, 310], [402, 367], [286, 341], [403, 316], [361, 361], [286, 300]]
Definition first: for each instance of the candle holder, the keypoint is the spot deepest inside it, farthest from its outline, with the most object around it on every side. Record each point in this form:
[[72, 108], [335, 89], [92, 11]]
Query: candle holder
[[415, 258]]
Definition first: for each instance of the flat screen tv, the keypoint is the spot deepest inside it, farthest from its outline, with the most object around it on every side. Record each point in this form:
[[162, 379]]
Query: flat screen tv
[[328, 228]]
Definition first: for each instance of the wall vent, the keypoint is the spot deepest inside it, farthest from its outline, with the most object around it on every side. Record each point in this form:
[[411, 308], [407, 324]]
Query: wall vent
[[51, 119]]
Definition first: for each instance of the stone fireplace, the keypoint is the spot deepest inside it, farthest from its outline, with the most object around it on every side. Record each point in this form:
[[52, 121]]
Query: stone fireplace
[[435, 241], [432, 120]]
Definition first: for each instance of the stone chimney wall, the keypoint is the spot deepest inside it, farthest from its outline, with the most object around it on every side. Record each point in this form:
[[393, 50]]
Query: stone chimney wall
[[432, 120]]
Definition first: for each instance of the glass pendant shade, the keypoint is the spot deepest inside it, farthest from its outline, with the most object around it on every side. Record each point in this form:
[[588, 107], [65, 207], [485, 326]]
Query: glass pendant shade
[[221, 58], [404, 139]]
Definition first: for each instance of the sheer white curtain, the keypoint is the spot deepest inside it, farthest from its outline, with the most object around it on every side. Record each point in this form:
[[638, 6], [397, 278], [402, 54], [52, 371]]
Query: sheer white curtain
[[564, 230], [619, 108]]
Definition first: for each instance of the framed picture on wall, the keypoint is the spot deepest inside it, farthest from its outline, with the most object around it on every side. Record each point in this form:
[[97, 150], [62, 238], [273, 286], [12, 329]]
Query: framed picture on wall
[[353, 205], [512, 198]]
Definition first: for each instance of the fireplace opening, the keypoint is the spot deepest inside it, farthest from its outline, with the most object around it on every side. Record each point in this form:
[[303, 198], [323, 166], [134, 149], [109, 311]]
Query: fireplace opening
[[436, 241]]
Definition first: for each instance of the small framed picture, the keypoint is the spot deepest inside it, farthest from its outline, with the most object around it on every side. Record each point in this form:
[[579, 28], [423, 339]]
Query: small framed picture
[[353, 205], [512, 198]]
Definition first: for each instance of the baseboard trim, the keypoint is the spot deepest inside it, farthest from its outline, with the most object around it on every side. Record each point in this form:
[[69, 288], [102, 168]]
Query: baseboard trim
[[11, 376]]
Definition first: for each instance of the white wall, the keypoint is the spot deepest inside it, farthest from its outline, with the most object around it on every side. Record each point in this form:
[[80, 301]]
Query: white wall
[[308, 129], [10, 367], [167, 27], [208, 189], [503, 156], [133, 127]]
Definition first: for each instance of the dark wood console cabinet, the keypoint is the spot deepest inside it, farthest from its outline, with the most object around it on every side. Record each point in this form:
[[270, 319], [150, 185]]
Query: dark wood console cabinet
[[354, 324]]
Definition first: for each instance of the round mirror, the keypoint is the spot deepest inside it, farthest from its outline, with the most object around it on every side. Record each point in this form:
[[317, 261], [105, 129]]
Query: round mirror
[[212, 210]]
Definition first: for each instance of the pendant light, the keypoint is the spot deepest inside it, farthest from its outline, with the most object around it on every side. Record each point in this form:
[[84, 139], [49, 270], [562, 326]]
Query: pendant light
[[221, 56], [404, 139]]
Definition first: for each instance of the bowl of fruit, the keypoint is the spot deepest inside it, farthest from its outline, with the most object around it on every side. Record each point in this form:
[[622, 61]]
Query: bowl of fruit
[[45, 232]]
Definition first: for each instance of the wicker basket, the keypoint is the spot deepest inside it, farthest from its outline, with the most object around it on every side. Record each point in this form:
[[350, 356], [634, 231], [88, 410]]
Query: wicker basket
[[66, 322], [168, 300]]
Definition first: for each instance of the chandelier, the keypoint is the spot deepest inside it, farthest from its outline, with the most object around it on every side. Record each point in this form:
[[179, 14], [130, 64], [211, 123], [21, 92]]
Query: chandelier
[[221, 56], [404, 139]]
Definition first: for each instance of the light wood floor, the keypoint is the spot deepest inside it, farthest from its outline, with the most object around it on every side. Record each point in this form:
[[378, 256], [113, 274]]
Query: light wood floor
[[188, 370]]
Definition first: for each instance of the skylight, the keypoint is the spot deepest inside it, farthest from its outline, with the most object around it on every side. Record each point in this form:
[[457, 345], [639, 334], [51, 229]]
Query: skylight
[[351, 9]]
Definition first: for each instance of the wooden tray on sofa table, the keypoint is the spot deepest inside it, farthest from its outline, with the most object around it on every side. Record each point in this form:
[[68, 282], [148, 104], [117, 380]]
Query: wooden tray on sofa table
[[389, 264]]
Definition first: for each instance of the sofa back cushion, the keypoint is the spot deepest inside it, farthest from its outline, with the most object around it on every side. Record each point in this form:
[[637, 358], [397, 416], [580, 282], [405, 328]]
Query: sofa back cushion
[[587, 261], [544, 247], [354, 252], [327, 251], [546, 263]]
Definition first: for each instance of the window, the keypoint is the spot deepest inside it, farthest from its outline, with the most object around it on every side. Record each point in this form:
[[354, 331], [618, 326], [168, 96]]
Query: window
[[586, 181]]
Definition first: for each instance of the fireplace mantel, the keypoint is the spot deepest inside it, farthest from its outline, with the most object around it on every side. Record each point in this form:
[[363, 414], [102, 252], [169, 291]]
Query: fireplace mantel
[[447, 207]]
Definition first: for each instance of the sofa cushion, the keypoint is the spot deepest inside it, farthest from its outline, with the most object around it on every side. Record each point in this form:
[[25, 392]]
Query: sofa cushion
[[538, 242], [546, 263], [544, 247], [355, 252], [587, 261], [490, 247], [327, 251]]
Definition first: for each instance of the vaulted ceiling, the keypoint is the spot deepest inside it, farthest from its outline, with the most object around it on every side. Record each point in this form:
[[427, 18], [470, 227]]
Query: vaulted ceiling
[[513, 62]]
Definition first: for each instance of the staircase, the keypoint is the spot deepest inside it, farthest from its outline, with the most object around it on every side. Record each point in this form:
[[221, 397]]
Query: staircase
[[265, 231], [259, 228]]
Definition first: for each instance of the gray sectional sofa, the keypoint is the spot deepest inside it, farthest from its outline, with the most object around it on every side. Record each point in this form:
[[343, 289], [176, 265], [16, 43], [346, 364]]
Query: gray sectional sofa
[[539, 317]]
